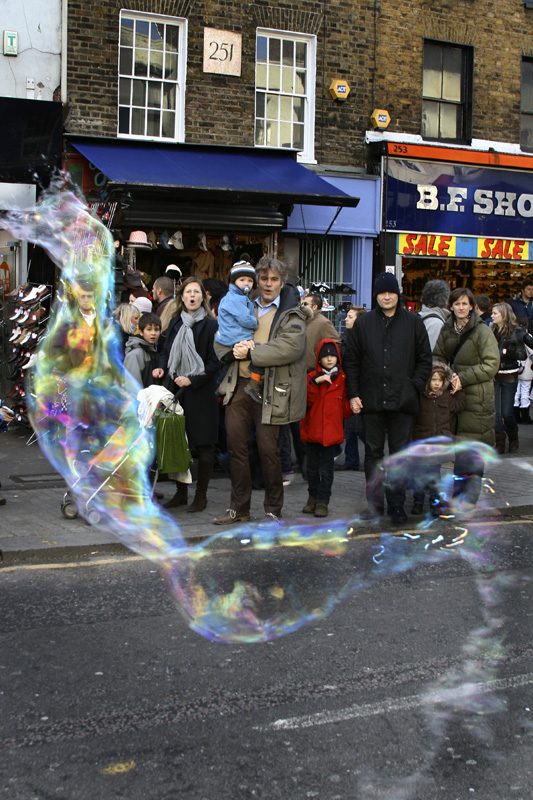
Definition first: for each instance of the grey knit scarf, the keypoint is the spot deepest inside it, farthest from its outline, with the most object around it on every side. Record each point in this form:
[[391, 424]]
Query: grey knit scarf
[[183, 358]]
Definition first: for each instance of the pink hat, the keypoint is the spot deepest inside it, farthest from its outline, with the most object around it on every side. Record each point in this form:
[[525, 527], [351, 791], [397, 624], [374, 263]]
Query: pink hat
[[139, 239], [144, 304]]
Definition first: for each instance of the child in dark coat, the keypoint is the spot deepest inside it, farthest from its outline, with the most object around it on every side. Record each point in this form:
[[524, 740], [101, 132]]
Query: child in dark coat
[[437, 404], [141, 350], [322, 427]]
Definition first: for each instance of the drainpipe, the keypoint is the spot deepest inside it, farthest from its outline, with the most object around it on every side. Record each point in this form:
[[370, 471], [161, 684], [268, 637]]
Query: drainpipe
[[64, 44]]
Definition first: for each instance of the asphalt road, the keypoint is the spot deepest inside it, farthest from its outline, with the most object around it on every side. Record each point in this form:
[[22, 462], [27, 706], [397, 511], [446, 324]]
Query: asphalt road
[[418, 686]]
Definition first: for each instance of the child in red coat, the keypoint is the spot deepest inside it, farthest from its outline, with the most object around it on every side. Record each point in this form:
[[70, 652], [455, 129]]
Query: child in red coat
[[322, 428]]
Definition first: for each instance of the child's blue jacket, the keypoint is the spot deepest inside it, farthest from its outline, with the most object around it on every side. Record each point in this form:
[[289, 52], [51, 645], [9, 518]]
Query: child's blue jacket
[[236, 319]]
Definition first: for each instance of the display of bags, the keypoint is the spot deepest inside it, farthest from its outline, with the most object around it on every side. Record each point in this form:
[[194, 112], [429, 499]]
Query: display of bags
[[172, 449]]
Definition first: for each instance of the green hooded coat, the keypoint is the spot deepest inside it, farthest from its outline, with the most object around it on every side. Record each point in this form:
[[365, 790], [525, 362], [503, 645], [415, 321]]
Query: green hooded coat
[[476, 363]]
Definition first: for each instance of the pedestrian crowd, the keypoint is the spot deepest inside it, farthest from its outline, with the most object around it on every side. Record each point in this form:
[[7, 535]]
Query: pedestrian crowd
[[260, 371]]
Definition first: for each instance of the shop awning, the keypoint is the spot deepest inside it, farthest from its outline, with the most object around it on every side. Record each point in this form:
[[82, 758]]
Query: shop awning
[[212, 174]]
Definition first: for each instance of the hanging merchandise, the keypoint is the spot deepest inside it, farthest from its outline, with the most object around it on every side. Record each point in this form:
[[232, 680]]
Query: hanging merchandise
[[139, 239], [177, 240]]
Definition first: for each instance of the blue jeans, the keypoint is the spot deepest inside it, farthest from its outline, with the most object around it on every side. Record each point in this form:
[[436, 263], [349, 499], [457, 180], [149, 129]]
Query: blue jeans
[[504, 393], [320, 466]]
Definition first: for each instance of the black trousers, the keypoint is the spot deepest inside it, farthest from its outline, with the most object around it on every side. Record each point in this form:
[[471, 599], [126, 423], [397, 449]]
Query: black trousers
[[395, 426], [320, 466]]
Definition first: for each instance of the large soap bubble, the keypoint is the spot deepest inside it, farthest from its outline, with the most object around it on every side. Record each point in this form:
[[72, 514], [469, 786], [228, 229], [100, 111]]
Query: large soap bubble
[[248, 584]]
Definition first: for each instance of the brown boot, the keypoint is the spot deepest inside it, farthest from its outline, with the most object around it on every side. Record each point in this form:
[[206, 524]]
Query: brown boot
[[513, 441], [321, 510], [500, 443], [310, 506], [205, 468], [180, 498]]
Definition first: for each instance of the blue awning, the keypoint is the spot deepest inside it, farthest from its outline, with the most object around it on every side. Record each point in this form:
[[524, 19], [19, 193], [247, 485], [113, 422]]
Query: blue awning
[[213, 174]]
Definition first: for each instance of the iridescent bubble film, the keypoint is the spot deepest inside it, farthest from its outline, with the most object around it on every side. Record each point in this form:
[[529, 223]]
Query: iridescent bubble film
[[247, 584]]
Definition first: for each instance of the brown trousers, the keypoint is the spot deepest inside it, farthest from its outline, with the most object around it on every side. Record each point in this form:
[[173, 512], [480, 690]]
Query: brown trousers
[[240, 413]]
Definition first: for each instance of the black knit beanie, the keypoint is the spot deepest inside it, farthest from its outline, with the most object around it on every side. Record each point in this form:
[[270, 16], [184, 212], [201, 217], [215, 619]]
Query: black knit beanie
[[386, 282]]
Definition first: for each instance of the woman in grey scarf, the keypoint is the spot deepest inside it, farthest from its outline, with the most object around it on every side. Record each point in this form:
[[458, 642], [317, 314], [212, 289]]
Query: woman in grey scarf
[[190, 366]]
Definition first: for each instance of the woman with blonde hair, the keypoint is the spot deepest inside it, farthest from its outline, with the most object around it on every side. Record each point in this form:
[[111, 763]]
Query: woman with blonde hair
[[190, 365], [510, 338], [126, 316]]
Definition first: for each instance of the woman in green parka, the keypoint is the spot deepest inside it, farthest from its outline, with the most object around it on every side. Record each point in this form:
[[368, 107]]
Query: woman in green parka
[[468, 345]]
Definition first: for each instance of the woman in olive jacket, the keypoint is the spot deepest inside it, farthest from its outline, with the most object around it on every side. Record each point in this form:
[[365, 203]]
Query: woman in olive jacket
[[470, 348]]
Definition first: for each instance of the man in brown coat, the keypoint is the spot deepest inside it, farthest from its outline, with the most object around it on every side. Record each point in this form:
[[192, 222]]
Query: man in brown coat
[[318, 327]]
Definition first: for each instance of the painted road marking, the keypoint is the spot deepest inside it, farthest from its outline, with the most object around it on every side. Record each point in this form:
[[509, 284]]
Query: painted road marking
[[386, 706]]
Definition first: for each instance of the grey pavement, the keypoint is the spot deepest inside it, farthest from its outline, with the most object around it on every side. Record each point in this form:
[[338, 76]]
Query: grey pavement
[[32, 527]]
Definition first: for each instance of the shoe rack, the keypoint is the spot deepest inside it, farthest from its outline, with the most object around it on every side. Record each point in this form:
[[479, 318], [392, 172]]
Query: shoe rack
[[24, 328]]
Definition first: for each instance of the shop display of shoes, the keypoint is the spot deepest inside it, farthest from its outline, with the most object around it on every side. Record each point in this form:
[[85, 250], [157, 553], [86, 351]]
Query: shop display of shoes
[[29, 317]]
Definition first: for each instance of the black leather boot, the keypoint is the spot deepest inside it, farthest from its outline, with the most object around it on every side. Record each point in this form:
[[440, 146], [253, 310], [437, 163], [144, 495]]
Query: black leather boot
[[205, 468], [180, 498]]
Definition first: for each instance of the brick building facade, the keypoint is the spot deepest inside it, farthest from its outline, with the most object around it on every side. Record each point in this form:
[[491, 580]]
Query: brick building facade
[[383, 50]]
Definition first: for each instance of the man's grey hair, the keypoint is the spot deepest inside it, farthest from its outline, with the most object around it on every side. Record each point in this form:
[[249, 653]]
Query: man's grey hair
[[435, 294], [268, 262]]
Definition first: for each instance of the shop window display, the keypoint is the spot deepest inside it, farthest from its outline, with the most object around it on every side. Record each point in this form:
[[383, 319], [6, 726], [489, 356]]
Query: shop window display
[[499, 280]]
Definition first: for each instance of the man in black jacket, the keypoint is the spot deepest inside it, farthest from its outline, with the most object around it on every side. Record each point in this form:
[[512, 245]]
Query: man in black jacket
[[387, 365]]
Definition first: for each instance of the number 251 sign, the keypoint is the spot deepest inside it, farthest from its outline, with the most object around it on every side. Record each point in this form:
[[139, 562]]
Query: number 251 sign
[[222, 51]]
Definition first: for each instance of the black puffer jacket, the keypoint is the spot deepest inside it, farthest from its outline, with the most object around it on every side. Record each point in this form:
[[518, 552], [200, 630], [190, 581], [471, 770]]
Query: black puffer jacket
[[388, 361]]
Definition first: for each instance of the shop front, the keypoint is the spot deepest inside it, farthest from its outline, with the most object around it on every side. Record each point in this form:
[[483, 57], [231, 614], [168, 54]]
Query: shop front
[[470, 224], [199, 207], [337, 247], [30, 148]]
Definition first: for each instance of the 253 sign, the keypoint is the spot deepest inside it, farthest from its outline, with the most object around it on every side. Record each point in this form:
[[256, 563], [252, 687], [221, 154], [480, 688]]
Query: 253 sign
[[222, 51]]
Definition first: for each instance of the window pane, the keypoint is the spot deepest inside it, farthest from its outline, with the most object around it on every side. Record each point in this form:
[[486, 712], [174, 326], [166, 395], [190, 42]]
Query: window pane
[[126, 32], [169, 122], [432, 78], [142, 28], [272, 134], [260, 104], [526, 103], [287, 84], [169, 96], [126, 61], [274, 50], [123, 120], [285, 134], [526, 132], [288, 52], [153, 120], [430, 119], [285, 108], [261, 48], [156, 65], [449, 128], [156, 36], [139, 93], [154, 94], [272, 106], [274, 78], [172, 38], [261, 76], [300, 82], [298, 136], [124, 89], [141, 63], [301, 54], [137, 121], [259, 132], [298, 105], [452, 73], [171, 67]]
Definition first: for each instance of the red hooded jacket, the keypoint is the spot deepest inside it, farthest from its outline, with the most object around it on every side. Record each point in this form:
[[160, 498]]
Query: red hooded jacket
[[327, 405]]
